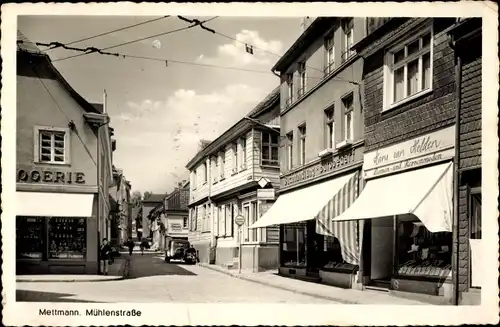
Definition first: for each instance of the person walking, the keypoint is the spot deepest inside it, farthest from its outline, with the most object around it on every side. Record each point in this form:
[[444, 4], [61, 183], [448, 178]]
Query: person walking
[[104, 256], [144, 244], [130, 244]]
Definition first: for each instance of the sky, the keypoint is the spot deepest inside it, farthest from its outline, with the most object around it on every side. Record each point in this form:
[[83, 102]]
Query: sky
[[161, 110]]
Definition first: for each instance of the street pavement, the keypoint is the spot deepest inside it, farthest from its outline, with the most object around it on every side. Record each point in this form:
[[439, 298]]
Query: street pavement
[[151, 279]]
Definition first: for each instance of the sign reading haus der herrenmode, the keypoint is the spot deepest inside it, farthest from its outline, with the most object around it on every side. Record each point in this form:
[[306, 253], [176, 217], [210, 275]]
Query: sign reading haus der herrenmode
[[322, 168], [423, 150]]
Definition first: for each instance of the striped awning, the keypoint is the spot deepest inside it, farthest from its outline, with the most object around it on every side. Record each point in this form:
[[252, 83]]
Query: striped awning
[[347, 232]]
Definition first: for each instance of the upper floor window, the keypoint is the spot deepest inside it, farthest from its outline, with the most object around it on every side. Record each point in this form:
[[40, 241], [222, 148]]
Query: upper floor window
[[302, 131], [235, 157], [205, 172], [53, 145], [330, 128], [195, 180], [270, 145], [222, 163], [409, 67], [289, 151], [214, 165], [348, 30], [330, 54], [347, 103], [185, 222], [302, 78], [243, 142], [289, 85]]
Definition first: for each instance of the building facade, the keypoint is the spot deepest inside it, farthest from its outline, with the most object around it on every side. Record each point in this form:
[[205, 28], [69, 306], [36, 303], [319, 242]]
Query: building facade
[[122, 215], [64, 162], [175, 215], [236, 175], [152, 204], [322, 144]]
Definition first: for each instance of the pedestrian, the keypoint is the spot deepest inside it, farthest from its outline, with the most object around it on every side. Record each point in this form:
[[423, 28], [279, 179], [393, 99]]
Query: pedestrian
[[104, 256], [130, 244], [144, 244]]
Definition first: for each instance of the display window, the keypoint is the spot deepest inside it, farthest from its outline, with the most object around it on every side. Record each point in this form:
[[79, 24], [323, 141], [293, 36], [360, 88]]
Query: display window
[[67, 238], [294, 245], [29, 237], [422, 253], [332, 256]]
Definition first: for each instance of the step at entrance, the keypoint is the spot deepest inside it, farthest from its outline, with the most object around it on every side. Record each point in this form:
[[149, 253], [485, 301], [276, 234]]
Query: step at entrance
[[376, 288]]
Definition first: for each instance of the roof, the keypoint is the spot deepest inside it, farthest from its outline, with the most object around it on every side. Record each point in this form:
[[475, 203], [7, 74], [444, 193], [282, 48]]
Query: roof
[[317, 27], [154, 198], [29, 48], [269, 101]]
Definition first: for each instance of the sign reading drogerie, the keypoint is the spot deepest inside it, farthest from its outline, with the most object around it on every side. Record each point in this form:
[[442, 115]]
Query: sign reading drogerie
[[50, 177], [419, 151]]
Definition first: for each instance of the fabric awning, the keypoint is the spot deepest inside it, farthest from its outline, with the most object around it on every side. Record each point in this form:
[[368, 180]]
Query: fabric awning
[[303, 204], [427, 193], [54, 204]]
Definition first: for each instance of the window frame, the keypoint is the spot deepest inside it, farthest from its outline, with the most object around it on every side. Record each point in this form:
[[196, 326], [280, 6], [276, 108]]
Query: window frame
[[243, 142], [302, 143], [390, 68], [348, 35], [185, 222], [222, 156], [269, 162], [329, 53], [205, 172], [37, 130], [290, 91], [302, 71], [348, 111], [235, 157], [330, 123], [289, 150]]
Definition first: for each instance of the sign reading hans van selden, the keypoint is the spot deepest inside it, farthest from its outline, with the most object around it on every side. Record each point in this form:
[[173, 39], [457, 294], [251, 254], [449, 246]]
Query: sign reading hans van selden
[[419, 151], [323, 168], [49, 176]]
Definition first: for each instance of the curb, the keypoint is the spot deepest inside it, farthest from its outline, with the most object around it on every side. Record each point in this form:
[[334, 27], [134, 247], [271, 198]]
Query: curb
[[69, 280], [329, 298]]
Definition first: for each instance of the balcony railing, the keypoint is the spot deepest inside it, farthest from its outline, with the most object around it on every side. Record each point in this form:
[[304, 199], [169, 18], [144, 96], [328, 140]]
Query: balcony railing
[[289, 102], [329, 68], [347, 54]]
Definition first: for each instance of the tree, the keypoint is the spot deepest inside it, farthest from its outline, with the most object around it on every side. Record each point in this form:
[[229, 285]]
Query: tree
[[136, 199], [147, 194]]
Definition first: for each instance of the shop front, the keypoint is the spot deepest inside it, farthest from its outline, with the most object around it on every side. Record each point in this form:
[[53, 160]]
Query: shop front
[[407, 209], [312, 247], [56, 232]]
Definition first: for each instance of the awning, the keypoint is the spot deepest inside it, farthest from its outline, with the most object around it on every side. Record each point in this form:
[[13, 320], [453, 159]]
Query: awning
[[303, 204], [54, 204], [427, 193]]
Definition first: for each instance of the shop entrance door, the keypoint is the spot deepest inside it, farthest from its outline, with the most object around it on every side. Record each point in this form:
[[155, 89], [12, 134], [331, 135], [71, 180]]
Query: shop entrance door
[[315, 244], [382, 256]]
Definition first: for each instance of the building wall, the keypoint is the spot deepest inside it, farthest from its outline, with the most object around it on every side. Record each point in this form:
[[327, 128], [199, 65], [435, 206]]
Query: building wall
[[146, 224], [422, 115]]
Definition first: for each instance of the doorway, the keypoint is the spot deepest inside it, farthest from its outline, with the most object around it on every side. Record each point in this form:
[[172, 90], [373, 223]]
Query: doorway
[[382, 251], [315, 244]]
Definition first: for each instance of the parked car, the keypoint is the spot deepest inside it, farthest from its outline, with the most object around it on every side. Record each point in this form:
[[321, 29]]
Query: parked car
[[176, 250]]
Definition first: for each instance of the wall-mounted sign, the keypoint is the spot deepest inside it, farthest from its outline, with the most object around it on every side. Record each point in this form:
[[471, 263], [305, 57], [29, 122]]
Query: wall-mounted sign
[[266, 194], [423, 150], [323, 167], [47, 176]]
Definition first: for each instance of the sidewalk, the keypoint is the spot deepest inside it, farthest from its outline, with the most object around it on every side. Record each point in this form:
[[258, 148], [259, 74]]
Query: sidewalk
[[345, 296], [117, 270]]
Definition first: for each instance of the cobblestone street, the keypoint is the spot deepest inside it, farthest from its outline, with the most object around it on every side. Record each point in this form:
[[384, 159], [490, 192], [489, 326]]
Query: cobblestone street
[[153, 280]]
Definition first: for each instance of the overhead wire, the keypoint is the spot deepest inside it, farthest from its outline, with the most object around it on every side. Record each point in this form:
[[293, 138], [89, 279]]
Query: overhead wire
[[113, 31]]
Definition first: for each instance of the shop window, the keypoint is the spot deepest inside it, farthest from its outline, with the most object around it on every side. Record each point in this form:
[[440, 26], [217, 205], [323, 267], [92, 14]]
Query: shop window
[[270, 146], [332, 256], [29, 237], [294, 250], [422, 253], [67, 238], [408, 68], [53, 145]]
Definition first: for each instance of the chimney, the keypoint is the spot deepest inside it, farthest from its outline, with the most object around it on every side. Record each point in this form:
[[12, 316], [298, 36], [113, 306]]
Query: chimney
[[304, 23]]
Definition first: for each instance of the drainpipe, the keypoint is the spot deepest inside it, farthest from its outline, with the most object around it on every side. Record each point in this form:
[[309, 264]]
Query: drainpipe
[[456, 171]]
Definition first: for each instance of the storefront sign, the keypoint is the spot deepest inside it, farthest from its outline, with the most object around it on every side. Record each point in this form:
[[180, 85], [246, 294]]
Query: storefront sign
[[47, 176], [322, 167], [423, 150], [266, 194]]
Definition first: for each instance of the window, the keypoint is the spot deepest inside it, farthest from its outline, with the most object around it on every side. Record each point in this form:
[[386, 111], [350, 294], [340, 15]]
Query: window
[[222, 164], [195, 180], [289, 84], [29, 237], [235, 157], [294, 250], [270, 148], [330, 128], [302, 78], [246, 215], [214, 165], [348, 29], [253, 219], [420, 252], [475, 240], [243, 152], [52, 145], [330, 54], [302, 131], [409, 68], [185, 222], [67, 238], [289, 151], [228, 219], [347, 102], [205, 172]]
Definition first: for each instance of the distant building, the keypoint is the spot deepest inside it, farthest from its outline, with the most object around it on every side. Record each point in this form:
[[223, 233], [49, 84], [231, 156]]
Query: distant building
[[175, 215], [122, 215], [236, 175], [148, 205], [63, 156]]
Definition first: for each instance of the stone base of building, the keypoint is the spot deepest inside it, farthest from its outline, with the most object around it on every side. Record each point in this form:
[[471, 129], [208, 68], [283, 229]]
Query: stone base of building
[[259, 257], [339, 279], [292, 272], [59, 267], [203, 250]]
